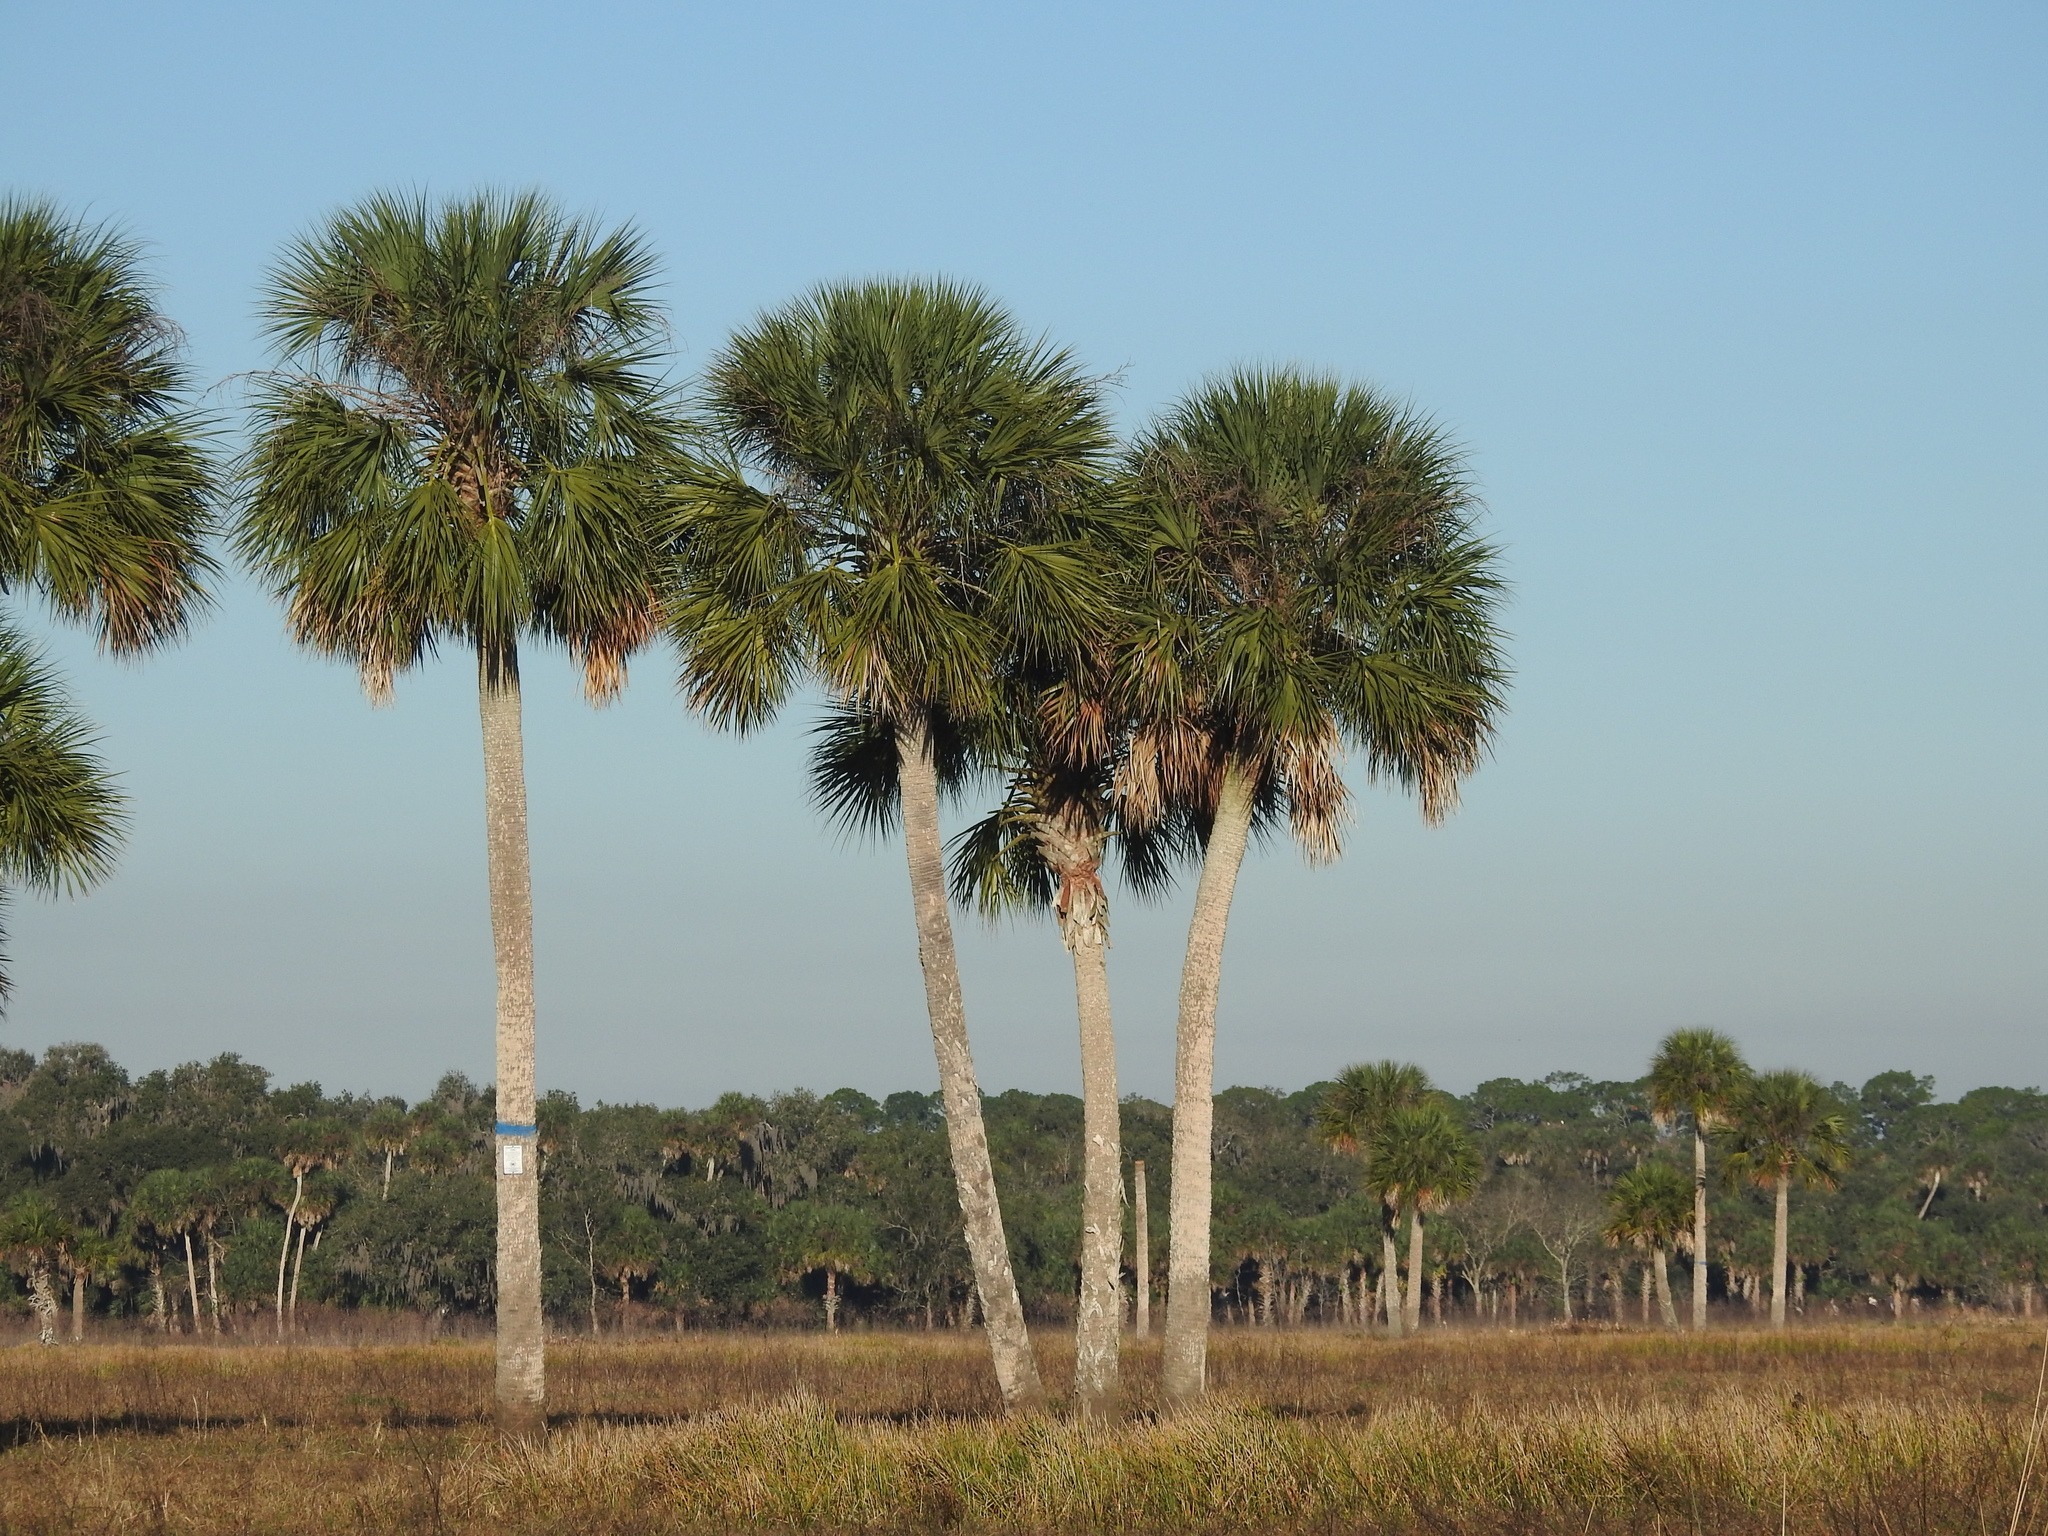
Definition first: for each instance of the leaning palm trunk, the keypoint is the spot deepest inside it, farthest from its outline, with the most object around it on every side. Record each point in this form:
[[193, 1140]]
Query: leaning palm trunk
[[77, 1305], [1665, 1309], [284, 1252], [192, 1280], [980, 1212], [1101, 1311], [522, 1361], [1699, 1228], [1186, 1351], [1412, 1318], [1778, 1247]]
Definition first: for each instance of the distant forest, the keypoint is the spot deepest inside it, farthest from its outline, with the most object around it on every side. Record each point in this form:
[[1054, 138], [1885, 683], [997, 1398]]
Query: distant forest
[[177, 1189]]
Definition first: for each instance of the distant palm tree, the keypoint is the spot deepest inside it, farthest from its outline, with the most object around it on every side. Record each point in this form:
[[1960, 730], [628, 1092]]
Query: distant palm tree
[[314, 1145], [1697, 1074], [93, 1260], [387, 1132], [106, 497], [1785, 1127], [166, 1202], [1422, 1150], [1652, 1211], [35, 1237], [465, 447], [1315, 587], [1348, 1115], [904, 464], [838, 1239]]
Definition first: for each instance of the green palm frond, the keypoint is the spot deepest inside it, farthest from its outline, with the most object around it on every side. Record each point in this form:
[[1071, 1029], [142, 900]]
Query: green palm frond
[[107, 489], [465, 441]]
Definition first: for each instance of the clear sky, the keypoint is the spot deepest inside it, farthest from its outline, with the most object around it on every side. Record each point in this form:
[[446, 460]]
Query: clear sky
[[1739, 309]]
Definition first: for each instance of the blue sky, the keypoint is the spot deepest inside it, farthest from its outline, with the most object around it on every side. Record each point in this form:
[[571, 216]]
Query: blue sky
[[1739, 310]]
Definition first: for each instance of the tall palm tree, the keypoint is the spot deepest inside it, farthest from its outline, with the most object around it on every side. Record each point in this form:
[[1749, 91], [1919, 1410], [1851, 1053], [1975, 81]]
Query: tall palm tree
[[1785, 1128], [1652, 1210], [1316, 587], [316, 1145], [166, 1201], [1697, 1074], [1421, 1150], [893, 522], [106, 495], [463, 446], [1348, 1116]]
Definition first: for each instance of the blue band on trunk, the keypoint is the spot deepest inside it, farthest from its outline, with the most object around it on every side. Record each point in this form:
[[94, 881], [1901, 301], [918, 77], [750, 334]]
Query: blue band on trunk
[[517, 1130]]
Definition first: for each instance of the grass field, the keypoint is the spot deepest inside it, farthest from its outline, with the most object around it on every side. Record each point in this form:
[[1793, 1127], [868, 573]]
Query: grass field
[[1887, 1431]]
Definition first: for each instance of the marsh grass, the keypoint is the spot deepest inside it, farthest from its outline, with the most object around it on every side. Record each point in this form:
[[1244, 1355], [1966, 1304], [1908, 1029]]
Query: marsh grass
[[1884, 1431]]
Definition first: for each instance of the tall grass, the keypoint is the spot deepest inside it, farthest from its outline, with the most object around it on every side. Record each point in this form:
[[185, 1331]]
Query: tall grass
[[1864, 1431]]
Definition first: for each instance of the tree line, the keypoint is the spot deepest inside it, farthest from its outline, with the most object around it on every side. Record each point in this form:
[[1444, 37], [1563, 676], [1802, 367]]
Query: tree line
[[204, 1201]]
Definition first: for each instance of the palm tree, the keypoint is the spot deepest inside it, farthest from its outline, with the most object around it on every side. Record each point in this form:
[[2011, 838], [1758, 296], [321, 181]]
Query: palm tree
[[838, 1239], [904, 465], [1421, 1150], [387, 1131], [464, 447], [93, 1260], [35, 1237], [1315, 587], [166, 1201], [1697, 1073], [1043, 849], [1784, 1128], [316, 1145], [1651, 1207], [1348, 1116], [321, 1199], [105, 512]]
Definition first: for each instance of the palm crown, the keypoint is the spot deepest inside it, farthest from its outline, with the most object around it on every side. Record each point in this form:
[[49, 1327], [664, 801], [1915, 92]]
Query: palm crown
[[1696, 1073], [1785, 1126], [1315, 584], [465, 442]]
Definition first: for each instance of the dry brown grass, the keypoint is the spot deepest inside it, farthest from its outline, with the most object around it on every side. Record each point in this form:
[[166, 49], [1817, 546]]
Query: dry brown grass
[[1877, 1430]]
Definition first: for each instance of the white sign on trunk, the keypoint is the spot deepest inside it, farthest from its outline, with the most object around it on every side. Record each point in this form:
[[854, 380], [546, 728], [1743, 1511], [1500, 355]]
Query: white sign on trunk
[[512, 1158]]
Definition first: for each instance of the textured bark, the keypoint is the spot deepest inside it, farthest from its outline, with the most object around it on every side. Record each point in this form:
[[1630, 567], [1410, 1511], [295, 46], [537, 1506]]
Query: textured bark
[[213, 1280], [1413, 1319], [1185, 1358], [1097, 1329], [156, 1285], [522, 1342], [1699, 1228], [981, 1214], [1778, 1247], [42, 1299], [831, 1299], [1389, 1289], [1141, 1252], [1665, 1309], [192, 1281], [291, 1301], [77, 1305]]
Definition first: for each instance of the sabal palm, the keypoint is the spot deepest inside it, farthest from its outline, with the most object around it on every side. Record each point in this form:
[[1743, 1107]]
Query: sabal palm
[[1350, 1112], [1697, 1074], [1652, 1206], [1423, 1152], [464, 446], [892, 524], [106, 495], [35, 1236], [166, 1201], [1316, 588], [1043, 849], [1784, 1129]]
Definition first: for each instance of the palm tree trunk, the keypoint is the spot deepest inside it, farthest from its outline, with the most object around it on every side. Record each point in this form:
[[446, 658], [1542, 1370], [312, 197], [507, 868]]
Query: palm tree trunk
[[1778, 1246], [1390, 1279], [831, 1299], [1141, 1253], [1665, 1309], [156, 1285], [1185, 1362], [1412, 1312], [284, 1253], [192, 1283], [522, 1341], [291, 1306], [1100, 1322], [388, 1155], [1699, 1228], [1933, 1189], [42, 1295], [77, 1305], [974, 1176], [213, 1283]]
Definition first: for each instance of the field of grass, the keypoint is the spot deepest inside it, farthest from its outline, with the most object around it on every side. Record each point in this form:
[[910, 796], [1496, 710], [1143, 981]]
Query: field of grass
[[1888, 1431]]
